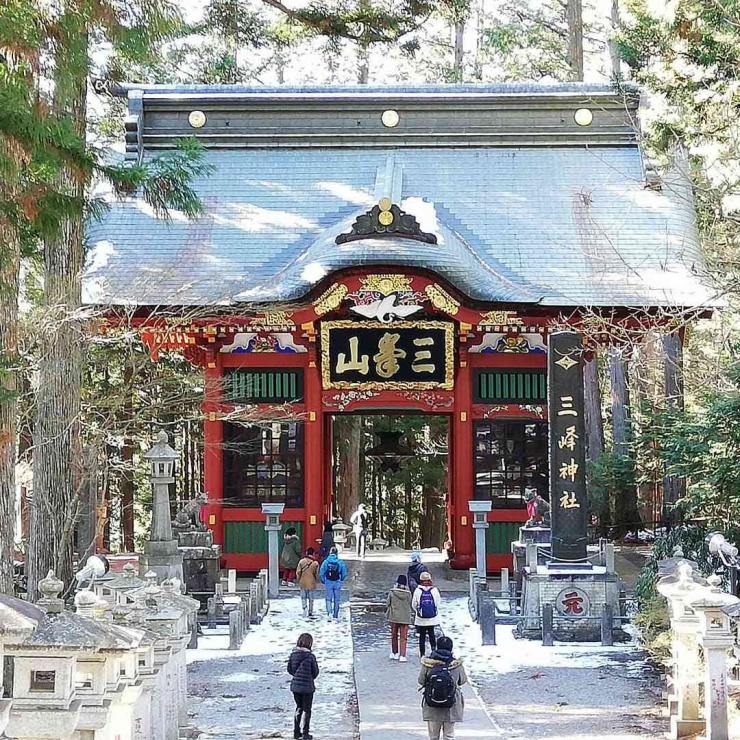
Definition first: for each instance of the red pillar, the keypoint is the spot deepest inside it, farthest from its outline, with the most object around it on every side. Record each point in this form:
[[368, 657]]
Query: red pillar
[[213, 452], [314, 452], [462, 466]]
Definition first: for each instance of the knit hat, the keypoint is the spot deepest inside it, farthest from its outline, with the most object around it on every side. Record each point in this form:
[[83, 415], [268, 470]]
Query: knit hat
[[425, 577], [444, 643], [415, 557], [402, 580]]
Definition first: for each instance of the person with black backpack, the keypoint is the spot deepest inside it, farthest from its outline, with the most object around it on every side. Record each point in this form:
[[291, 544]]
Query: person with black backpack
[[440, 678], [333, 573], [425, 603]]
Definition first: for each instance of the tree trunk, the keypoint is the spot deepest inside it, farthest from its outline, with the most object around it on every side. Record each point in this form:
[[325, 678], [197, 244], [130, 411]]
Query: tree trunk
[[595, 431], [56, 431], [9, 385], [626, 514], [407, 501], [616, 62], [674, 486], [457, 68], [348, 483], [574, 17]]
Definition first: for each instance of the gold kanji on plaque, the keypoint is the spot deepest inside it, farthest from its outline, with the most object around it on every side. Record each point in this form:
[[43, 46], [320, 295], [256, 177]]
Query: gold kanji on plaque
[[357, 362], [387, 356]]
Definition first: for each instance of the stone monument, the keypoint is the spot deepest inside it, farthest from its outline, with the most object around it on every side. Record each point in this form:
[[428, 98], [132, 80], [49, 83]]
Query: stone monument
[[579, 587], [160, 551]]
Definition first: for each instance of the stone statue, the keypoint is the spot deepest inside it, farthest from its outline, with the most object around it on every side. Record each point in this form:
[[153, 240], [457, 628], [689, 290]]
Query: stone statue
[[538, 510], [188, 518]]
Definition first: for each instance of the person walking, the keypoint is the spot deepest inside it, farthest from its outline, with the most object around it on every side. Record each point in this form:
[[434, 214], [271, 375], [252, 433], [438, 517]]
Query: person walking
[[290, 555], [307, 575], [333, 573], [400, 615], [360, 521], [415, 570], [304, 668], [440, 678], [426, 602], [327, 541]]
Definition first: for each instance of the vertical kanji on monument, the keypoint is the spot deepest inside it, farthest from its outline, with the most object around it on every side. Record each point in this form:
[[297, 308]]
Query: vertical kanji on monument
[[567, 446]]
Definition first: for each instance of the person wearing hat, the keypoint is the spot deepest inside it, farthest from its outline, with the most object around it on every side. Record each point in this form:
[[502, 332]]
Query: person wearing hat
[[440, 678], [413, 574], [400, 615], [426, 602]]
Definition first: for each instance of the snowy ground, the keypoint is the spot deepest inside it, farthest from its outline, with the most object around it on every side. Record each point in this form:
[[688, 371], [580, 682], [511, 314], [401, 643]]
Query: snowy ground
[[245, 693], [571, 691]]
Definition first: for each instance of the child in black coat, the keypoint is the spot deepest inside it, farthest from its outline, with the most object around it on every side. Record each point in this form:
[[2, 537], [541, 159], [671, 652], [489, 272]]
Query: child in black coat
[[303, 667]]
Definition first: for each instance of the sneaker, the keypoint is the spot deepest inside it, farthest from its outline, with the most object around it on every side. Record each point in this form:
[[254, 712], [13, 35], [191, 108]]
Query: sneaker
[[403, 659], [393, 656]]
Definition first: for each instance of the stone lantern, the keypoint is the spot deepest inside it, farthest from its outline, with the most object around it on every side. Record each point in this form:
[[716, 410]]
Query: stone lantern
[[716, 639], [160, 552], [679, 583]]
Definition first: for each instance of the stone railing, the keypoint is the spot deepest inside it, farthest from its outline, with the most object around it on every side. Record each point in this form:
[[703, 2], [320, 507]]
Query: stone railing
[[702, 636], [111, 668]]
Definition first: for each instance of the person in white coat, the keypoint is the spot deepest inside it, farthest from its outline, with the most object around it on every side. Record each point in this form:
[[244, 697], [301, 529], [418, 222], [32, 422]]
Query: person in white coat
[[426, 603], [360, 521]]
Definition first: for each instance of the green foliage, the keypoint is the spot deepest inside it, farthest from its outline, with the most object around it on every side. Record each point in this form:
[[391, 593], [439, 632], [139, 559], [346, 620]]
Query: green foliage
[[653, 621], [689, 56]]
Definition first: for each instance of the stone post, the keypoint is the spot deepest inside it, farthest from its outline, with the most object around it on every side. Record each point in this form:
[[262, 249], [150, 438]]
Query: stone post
[[160, 552], [272, 514], [479, 510]]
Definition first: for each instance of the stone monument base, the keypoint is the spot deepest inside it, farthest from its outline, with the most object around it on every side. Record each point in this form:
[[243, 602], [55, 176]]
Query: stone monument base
[[577, 594], [201, 565], [163, 558]]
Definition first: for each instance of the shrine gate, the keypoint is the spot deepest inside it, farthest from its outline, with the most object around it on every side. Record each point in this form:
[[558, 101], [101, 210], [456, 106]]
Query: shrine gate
[[404, 249]]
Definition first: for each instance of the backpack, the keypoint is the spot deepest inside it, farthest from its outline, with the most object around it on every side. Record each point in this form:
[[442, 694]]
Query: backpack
[[332, 572], [439, 689], [427, 609]]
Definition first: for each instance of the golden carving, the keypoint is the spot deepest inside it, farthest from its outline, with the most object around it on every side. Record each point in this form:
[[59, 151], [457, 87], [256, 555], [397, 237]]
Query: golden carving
[[500, 318], [385, 218], [442, 300], [273, 318], [449, 354], [386, 284], [331, 299]]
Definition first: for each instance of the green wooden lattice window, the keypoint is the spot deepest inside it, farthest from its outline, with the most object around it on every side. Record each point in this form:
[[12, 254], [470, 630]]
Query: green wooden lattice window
[[250, 538], [511, 386], [264, 386], [500, 535]]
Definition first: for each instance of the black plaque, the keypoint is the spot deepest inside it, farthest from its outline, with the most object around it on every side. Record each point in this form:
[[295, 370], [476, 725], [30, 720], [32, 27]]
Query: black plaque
[[404, 354], [568, 502]]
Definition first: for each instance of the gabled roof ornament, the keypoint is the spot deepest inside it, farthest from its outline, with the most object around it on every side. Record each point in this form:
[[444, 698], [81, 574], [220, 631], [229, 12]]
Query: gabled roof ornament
[[386, 220]]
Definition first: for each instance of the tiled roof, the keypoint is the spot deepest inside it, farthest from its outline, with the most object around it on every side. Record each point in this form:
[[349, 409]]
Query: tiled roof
[[557, 225]]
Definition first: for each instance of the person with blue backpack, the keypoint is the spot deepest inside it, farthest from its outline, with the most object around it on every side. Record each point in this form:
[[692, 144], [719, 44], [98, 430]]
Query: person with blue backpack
[[425, 603], [440, 678], [333, 574]]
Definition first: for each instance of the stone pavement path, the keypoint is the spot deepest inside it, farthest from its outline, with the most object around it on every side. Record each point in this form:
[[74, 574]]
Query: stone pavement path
[[389, 703], [519, 689]]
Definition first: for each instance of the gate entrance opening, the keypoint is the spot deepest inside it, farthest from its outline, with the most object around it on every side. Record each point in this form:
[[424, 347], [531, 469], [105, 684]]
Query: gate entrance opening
[[398, 466]]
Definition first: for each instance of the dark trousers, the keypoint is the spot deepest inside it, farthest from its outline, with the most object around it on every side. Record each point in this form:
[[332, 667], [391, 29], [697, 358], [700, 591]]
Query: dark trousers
[[424, 632], [303, 704]]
